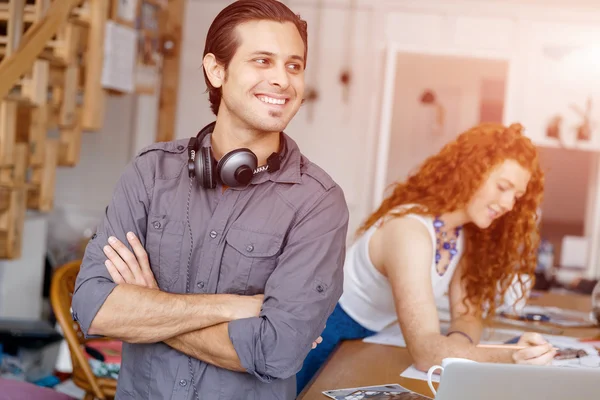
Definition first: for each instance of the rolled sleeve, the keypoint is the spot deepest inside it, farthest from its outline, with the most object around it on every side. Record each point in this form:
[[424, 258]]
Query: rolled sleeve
[[300, 294], [126, 212]]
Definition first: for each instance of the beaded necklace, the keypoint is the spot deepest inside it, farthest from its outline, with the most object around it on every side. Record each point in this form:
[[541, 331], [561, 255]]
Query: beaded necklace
[[449, 245]]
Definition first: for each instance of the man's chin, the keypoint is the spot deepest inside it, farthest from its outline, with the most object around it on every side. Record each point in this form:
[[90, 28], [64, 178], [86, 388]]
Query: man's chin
[[271, 126]]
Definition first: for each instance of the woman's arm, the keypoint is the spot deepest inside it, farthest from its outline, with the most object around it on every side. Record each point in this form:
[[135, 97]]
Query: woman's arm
[[466, 319], [463, 318], [406, 254], [405, 251]]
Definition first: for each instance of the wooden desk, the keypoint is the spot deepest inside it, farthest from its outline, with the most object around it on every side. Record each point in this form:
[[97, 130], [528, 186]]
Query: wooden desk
[[356, 363]]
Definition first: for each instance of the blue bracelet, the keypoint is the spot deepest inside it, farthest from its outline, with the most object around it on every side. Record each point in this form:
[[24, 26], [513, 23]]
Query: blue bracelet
[[460, 333]]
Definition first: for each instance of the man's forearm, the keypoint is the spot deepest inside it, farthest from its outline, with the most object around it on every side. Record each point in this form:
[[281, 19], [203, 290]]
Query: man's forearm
[[140, 315], [211, 345]]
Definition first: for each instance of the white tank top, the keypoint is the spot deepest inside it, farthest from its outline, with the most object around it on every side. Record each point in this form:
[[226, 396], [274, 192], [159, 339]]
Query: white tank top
[[367, 296]]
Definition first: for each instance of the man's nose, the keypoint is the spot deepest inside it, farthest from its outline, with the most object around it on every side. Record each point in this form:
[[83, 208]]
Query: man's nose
[[279, 77]]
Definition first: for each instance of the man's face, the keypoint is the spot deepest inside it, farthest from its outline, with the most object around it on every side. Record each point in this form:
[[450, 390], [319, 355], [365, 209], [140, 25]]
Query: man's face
[[263, 86]]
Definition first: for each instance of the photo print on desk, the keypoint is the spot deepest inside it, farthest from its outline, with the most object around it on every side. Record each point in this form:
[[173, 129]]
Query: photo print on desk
[[381, 392]]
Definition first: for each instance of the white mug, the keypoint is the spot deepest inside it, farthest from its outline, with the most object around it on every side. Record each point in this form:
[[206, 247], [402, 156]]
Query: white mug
[[445, 363]]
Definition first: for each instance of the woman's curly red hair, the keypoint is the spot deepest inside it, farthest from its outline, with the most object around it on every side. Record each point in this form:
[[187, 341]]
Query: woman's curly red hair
[[446, 182]]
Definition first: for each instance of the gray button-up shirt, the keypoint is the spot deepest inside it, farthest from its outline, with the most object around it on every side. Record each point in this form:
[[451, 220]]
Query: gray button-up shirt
[[283, 235]]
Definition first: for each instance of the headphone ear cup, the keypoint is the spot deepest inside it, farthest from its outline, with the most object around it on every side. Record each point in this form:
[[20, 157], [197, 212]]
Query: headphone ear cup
[[236, 168], [207, 169]]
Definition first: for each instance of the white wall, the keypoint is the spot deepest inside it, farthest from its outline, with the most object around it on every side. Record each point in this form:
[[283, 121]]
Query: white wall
[[104, 154], [21, 280], [146, 121], [457, 83], [84, 191]]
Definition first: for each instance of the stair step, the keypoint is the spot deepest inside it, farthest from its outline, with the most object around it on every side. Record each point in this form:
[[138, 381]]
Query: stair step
[[80, 15], [28, 15], [47, 55], [18, 98]]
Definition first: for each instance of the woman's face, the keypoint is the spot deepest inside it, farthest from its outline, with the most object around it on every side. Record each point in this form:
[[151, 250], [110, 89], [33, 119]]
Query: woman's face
[[505, 184]]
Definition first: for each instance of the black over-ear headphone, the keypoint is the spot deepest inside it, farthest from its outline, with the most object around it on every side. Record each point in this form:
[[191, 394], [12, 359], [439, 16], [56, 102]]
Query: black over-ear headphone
[[235, 168]]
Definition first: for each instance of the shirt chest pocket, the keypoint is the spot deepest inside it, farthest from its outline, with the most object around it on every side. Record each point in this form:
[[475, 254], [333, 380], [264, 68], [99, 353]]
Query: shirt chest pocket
[[163, 244], [248, 260]]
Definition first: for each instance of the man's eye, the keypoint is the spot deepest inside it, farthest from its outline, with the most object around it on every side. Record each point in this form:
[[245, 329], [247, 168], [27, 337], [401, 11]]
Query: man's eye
[[261, 61]]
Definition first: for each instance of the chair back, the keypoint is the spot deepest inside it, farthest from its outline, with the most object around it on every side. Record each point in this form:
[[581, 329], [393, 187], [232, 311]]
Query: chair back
[[61, 294]]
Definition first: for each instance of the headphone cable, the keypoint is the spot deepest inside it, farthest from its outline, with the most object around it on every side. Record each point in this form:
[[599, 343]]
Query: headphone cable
[[187, 276]]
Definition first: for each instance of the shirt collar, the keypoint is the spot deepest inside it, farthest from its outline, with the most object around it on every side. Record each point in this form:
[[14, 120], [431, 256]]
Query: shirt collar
[[289, 172]]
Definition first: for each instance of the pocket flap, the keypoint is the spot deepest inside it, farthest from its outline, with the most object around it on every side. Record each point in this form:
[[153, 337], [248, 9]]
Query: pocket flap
[[254, 244]]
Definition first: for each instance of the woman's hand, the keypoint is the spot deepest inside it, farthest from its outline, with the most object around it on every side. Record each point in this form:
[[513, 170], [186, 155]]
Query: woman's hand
[[537, 352]]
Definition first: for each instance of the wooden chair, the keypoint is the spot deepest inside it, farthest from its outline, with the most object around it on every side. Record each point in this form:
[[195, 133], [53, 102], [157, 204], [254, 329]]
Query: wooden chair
[[61, 292]]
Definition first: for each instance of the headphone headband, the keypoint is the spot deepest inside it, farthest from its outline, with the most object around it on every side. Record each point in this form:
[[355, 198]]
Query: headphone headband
[[195, 142]]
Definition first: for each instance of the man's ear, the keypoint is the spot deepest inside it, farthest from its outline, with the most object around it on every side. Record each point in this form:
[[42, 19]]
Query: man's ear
[[214, 71]]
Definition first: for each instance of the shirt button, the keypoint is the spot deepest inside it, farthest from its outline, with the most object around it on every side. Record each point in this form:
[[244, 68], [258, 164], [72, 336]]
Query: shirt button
[[249, 248], [157, 225], [182, 382], [320, 288], [94, 236], [180, 147], [200, 284], [213, 234]]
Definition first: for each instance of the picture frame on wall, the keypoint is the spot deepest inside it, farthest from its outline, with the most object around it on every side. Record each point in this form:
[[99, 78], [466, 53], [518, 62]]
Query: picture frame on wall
[[149, 58], [149, 15], [125, 12]]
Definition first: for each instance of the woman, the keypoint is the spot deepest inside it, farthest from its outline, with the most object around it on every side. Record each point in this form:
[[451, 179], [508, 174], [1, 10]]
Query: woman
[[463, 224]]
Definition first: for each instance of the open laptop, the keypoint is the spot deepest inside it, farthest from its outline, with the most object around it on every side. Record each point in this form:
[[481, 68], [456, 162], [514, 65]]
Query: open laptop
[[486, 381]]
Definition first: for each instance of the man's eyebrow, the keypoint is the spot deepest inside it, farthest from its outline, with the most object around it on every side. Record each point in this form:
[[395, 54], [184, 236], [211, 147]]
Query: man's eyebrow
[[271, 54], [263, 53]]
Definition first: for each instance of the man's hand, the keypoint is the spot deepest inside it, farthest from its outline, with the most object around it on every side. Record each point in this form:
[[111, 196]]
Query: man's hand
[[317, 342], [127, 267], [134, 269]]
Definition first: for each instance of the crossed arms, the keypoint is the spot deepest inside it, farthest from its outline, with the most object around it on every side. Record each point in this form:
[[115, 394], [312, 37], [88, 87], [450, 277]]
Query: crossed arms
[[269, 340], [195, 325]]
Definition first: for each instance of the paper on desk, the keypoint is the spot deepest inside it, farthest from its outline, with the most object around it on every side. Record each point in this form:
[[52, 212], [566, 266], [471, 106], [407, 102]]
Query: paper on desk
[[559, 316], [392, 335], [592, 360], [413, 373]]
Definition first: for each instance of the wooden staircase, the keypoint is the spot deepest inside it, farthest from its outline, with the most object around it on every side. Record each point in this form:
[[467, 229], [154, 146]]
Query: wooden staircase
[[51, 60]]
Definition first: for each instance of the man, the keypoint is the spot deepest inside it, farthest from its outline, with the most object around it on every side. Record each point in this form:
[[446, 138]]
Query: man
[[219, 237]]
